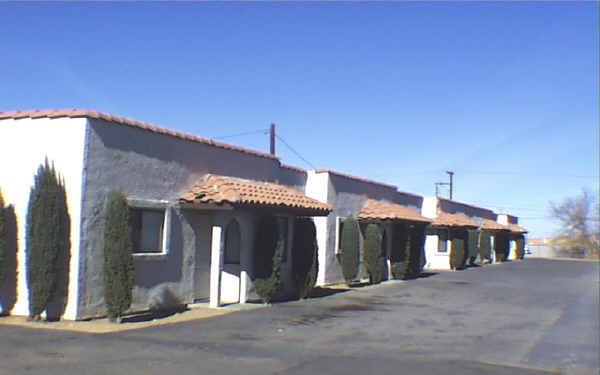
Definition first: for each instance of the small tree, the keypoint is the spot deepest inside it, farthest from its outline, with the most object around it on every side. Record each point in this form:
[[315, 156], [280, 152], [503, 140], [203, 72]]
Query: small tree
[[472, 235], [3, 239], [399, 257], [350, 249], [269, 246], [373, 254], [520, 241], [48, 245], [305, 256], [458, 253], [501, 245], [119, 271], [417, 250], [485, 246]]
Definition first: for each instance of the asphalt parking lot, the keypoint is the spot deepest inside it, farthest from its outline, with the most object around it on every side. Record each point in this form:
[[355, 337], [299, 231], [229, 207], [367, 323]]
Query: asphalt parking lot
[[527, 317]]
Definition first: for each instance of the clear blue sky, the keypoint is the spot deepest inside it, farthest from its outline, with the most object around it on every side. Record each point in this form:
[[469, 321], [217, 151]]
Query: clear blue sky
[[504, 94]]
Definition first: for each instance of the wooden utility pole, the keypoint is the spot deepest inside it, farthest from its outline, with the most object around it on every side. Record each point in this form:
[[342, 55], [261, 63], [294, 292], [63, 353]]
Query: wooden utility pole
[[451, 174], [273, 139]]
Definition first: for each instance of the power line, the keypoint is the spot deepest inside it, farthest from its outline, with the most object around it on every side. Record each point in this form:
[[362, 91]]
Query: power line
[[295, 152], [263, 131], [514, 173]]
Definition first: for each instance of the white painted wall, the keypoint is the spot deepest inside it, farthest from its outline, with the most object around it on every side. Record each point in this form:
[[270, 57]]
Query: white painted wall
[[429, 208], [503, 219], [317, 188], [435, 259], [27, 143]]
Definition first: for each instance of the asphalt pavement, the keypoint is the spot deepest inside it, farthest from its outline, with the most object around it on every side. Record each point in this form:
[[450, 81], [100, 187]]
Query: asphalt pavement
[[534, 316]]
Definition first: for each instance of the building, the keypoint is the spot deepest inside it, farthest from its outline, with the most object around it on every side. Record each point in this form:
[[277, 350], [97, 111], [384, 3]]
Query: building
[[195, 205]]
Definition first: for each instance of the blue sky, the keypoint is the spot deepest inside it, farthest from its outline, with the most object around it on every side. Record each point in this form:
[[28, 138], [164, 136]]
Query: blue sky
[[504, 94]]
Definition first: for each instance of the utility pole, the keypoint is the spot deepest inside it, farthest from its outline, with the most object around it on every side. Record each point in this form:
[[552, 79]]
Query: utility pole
[[273, 139], [450, 184], [451, 174]]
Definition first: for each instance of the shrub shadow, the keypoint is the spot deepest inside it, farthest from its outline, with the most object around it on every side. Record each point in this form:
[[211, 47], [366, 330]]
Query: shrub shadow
[[8, 289]]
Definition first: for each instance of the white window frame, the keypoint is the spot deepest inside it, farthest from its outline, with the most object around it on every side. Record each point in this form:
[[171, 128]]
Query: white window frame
[[447, 233], [157, 205]]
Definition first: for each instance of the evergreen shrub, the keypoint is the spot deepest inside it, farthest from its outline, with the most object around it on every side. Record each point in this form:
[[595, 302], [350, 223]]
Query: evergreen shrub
[[119, 270], [47, 241], [472, 235], [416, 250], [458, 253], [269, 246], [373, 255], [3, 239], [350, 249], [305, 261], [502, 246], [399, 258], [485, 246], [520, 240]]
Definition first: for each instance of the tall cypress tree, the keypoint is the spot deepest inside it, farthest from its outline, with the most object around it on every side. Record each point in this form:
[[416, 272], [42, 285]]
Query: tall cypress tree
[[3, 239], [47, 247], [119, 271], [372, 254], [350, 249], [305, 255]]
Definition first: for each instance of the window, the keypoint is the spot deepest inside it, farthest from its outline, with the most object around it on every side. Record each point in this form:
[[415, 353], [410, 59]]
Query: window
[[148, 230], [442, 240], [232, 243], [339, 228]]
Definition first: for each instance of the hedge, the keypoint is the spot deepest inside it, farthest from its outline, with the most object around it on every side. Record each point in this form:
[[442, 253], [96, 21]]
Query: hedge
[[485, 246], [119, 271], [305, 257], [417, 250], [269, 246], [373, 256], [520, 240], [472, 251], [458, 252], [3, 239], [502, 245], [350, 249], [47, 242]]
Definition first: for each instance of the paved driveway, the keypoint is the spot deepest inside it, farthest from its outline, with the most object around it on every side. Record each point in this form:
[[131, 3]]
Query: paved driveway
[[526, 317]]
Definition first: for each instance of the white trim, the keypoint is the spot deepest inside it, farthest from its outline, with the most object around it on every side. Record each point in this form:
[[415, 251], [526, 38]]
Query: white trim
[[216, 264], [338, 234]]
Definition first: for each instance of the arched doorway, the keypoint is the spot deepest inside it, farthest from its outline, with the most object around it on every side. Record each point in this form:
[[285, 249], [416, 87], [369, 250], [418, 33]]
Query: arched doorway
[[230, 277]]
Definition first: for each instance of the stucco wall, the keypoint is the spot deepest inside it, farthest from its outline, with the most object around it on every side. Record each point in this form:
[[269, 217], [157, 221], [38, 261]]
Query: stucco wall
[[147, 166], [27, 143], [348, 197]]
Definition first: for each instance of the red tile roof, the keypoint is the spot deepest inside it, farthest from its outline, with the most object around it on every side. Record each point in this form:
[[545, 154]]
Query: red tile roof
[[453, 220], [77, 113], [492, 225], [376, 210], [220, 189], [517, 229]]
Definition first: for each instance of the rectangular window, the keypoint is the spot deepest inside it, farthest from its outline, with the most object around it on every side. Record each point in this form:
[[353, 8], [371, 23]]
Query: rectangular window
[[339, 228], [442, 241], [148, 229]]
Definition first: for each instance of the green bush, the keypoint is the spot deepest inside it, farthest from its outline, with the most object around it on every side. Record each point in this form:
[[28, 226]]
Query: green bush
[[417, 250], [485, 246], [305, 258], [269, 246], [502, 245], [373, 256], [47, 247], [119, 270], [472, 251], [8, 264], [399, 257], [350, 249], [3, 239], [457, 253], [520, 240]]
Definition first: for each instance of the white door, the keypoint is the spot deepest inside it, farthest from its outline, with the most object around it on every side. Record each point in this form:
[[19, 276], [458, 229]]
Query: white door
[[230, 276]]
